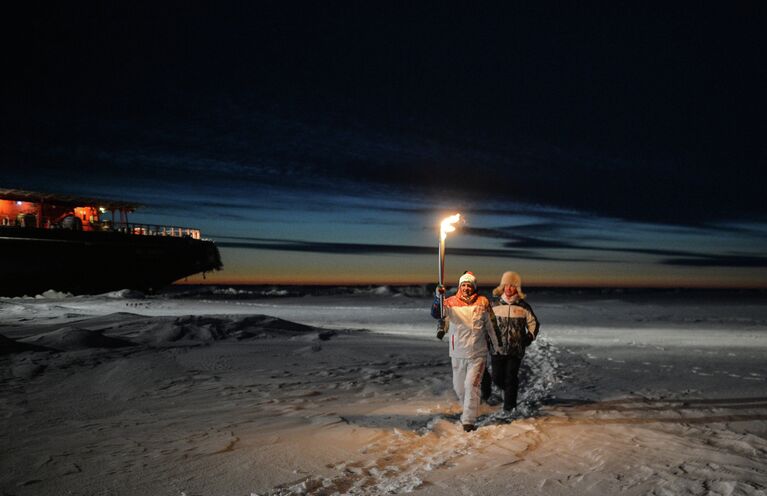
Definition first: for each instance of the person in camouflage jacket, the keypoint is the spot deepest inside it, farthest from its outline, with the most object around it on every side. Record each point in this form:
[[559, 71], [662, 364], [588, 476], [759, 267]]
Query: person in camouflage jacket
[[517, 329]]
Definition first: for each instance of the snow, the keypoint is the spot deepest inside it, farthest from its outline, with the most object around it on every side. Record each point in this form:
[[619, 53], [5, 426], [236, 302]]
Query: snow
[[225, 391]]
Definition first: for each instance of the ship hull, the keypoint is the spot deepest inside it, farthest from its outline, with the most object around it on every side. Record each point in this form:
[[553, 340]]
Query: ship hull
[[81, 262]]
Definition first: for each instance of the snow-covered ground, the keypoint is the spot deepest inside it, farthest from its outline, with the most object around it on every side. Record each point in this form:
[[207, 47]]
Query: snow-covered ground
[[124, 394]]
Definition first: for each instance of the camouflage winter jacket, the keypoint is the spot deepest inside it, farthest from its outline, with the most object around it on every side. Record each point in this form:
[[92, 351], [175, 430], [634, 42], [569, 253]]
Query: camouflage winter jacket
[[517, 326]]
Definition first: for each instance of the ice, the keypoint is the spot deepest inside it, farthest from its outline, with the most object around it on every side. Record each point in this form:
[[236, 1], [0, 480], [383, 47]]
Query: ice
[[345, 391]]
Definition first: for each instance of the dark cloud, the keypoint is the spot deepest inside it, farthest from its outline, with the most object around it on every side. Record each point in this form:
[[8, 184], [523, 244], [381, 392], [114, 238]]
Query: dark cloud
[[719, 261], [682, 257], [628, 113], [520, 241], [530, 253], [373, 249]]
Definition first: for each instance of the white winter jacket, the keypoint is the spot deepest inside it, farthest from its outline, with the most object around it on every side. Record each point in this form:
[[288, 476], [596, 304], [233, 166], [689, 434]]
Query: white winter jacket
[[470, 325]]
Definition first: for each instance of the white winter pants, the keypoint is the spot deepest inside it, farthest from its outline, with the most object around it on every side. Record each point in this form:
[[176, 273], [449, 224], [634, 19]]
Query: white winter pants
[[467, 377]]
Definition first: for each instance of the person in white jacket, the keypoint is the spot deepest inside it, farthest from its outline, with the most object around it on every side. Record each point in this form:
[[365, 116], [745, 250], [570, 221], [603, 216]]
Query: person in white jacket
[[470, 325]]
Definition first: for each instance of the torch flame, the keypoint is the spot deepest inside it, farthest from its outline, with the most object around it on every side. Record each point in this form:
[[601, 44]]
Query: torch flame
[[447, 225]]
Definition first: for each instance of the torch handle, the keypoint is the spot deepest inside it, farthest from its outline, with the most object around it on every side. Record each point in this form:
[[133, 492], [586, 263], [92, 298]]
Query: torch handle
[[441, 275]]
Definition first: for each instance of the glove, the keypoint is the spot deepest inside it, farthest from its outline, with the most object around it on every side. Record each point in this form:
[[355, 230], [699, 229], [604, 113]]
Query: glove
[[528, 339], [440, 290], [441, 330]]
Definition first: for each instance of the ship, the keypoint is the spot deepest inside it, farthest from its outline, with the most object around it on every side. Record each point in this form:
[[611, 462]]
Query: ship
[[81, 245]]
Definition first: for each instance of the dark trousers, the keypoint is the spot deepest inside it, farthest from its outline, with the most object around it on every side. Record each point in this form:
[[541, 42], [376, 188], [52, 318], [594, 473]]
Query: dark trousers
[[506, 377], [486, 388]]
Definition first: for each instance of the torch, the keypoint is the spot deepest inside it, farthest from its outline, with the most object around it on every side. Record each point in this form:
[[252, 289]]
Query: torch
[[445, 227]]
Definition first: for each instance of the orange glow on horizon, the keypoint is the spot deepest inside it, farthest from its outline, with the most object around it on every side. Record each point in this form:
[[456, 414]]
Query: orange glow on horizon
[[264, 267]]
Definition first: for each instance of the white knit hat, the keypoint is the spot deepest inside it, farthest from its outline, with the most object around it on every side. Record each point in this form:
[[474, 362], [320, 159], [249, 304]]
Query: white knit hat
[[468, 277], [510, 279]]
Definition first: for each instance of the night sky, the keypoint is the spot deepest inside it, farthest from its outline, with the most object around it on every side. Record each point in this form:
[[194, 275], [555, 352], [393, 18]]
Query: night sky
[[600, 144]]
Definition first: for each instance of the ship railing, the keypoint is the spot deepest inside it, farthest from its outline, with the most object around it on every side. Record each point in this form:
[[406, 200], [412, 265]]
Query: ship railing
[[157, 230], [129, 228]]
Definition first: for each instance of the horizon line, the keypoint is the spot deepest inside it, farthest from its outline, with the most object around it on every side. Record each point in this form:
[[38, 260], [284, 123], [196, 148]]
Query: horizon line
[[484, 286]]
